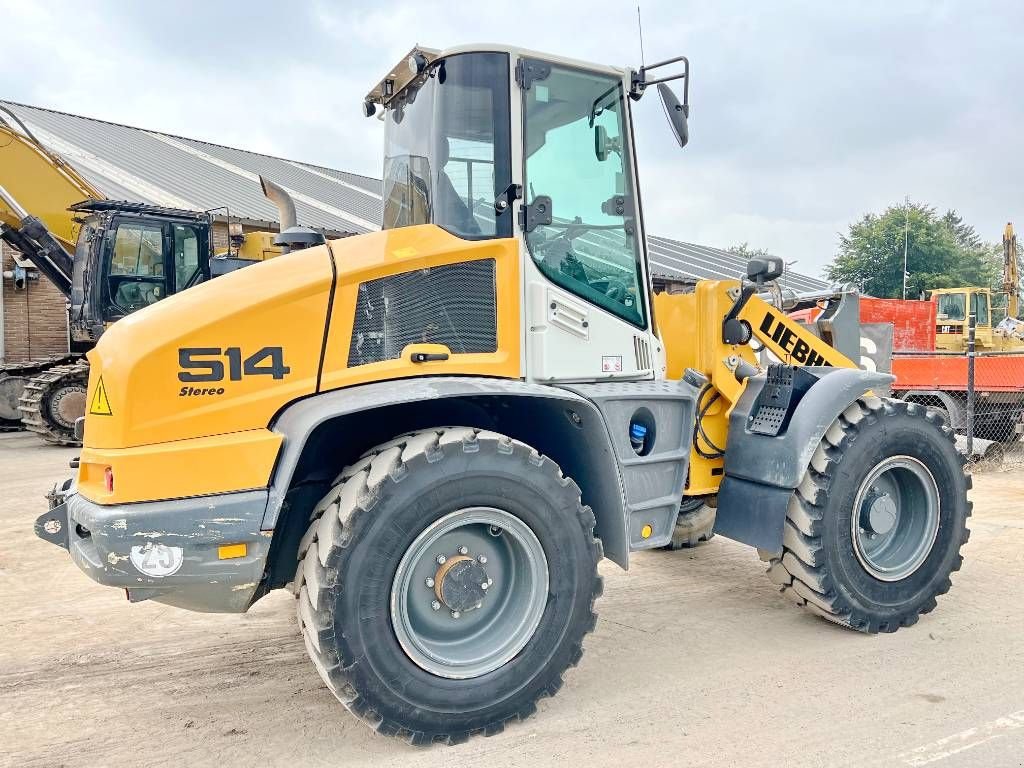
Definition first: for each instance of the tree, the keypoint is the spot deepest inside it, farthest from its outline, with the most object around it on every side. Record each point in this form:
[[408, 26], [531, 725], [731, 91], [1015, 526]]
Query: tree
[[941, 252], [745, 251]]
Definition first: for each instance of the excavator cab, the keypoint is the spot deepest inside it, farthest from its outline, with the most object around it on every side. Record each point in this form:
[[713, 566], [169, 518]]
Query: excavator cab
[[953, 309], [129, 256]]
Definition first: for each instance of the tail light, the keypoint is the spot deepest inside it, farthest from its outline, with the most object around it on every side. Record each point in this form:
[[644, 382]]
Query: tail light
[[108, 479]]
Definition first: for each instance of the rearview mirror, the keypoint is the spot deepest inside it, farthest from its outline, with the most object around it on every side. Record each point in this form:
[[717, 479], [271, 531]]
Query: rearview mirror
[[605, 145], [676, 113], [601, 142]]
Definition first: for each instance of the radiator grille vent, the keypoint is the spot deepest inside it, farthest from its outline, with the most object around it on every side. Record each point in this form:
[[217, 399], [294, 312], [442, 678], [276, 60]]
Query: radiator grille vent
[[454, 305], [643, 353]]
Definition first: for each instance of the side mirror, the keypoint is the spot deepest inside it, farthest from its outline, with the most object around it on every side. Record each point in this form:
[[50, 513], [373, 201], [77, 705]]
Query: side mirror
[[676, 113], [768, 268]]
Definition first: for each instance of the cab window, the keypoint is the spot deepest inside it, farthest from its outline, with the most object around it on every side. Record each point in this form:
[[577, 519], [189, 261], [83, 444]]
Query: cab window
[[952, 306], [186, 256], [578, 177], [136, 276], [979, 307]]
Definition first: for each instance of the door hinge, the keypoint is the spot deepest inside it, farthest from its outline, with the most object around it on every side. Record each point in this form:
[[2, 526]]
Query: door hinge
[[530, 70], [535, 214]]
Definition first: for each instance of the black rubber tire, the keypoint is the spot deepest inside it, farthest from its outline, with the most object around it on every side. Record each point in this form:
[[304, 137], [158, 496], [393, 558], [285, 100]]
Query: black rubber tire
[[818, 568], [361, 529], [694, 526]]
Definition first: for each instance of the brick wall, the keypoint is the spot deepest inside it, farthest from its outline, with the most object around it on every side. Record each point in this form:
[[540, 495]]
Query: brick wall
[[34, 322]]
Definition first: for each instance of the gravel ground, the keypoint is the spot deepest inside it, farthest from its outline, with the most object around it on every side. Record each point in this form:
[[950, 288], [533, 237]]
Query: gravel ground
[[696, 661]]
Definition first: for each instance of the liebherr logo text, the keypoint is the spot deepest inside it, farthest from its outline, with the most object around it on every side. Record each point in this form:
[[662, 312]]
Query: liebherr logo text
[[207, 364], [790, 343]]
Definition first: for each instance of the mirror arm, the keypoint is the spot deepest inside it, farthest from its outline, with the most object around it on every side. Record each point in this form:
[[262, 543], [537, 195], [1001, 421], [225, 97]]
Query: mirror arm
[[640, 81]]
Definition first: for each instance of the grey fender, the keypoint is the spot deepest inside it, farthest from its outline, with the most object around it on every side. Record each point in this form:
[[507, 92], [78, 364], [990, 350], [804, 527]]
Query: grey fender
[[327, 431], [762, 471]]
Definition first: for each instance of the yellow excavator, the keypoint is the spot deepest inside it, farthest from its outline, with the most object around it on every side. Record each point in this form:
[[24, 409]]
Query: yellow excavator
[[955, 305], [434, 433], [109, 258]]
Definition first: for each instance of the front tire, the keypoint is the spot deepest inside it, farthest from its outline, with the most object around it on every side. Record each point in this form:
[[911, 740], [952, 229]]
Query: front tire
[[874, 530], [391, 597]]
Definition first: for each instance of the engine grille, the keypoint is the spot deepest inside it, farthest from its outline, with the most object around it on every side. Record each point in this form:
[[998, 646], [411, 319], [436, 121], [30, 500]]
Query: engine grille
[[454, 305]]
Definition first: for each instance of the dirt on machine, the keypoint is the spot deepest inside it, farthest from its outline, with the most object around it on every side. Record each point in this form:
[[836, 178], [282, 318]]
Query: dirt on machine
[[109, 258], [433, 434]]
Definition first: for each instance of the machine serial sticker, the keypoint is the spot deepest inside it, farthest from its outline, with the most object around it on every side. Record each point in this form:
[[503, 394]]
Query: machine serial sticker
[[611, 364], [100, 405]]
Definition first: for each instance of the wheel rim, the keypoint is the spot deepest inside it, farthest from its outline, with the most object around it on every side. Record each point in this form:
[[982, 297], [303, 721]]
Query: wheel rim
[[446, 621], [895, 518]]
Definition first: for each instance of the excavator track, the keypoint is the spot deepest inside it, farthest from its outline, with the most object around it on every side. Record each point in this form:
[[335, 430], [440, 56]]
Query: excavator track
[[53, 399], [13, 378]]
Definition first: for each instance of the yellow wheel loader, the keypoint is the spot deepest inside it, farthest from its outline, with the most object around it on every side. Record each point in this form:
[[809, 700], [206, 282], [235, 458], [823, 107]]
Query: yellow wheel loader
[[109, 258], [432, 434]]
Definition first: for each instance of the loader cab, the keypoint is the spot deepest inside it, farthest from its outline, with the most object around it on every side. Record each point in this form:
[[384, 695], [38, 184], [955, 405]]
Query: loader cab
[[130, 256], [502, 143]]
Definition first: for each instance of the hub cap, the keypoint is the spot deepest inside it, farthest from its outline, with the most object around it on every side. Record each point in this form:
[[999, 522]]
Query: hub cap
[[469, 592], [895, 518]]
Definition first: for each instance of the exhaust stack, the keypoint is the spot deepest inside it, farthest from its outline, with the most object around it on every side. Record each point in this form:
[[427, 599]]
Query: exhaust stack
[[292, 237]]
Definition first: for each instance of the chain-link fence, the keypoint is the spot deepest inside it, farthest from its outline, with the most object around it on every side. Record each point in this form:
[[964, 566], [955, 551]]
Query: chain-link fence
[[978, 391]]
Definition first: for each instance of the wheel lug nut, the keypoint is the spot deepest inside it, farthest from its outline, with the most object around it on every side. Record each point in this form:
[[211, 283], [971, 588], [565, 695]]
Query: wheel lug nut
[[463, 550], [455, 614], [485, 585], [429, 582], [435, 605], [441, 559], [482, 559]]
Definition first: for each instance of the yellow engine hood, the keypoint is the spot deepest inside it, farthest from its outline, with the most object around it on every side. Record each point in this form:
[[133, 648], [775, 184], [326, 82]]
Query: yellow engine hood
[[143, 385], [227, 355]]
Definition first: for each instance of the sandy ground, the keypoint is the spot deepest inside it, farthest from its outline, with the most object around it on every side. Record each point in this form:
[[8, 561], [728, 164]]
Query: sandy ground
[[696, 661]]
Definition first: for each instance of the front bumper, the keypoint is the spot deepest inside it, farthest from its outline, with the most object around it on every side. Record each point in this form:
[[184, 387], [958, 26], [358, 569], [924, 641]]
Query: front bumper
[[204, 554]]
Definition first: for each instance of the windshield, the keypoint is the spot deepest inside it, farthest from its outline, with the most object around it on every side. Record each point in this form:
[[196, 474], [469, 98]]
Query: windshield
[[952, 306], [447, 151]]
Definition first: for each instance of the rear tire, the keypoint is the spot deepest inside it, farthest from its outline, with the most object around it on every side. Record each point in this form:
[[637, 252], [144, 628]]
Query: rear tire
[[893, 463], [365, 609], [694, 526]]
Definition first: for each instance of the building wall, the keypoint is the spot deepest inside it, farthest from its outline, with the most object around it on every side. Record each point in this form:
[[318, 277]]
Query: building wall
[[34, 321]]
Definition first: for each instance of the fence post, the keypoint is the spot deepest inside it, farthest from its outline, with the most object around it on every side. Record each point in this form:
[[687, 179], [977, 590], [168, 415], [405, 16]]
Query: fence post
[[970, 385]]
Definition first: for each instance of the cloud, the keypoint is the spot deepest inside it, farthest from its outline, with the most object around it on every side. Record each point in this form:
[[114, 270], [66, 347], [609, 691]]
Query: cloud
[[804, 115]]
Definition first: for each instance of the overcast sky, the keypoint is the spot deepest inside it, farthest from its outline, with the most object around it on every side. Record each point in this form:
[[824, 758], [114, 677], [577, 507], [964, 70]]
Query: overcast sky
[[805, 115]]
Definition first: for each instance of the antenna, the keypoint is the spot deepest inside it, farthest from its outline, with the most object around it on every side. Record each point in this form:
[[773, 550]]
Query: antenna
[[640, 29]]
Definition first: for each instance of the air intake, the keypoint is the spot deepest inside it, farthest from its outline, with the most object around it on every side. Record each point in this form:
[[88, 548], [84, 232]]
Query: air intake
[[454, 305]]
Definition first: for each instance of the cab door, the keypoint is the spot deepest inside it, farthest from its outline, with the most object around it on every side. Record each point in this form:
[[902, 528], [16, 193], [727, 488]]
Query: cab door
[[586, 283]]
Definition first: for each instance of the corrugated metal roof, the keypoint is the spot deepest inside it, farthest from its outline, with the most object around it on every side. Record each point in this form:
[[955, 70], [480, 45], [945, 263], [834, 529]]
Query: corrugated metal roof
[[134, 164]]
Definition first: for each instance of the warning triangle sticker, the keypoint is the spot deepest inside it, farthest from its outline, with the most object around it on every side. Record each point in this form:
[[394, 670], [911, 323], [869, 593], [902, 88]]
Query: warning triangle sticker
[[100, 405]]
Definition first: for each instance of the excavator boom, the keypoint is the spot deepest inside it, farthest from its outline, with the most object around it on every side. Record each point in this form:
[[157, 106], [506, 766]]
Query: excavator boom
[[1011, 278], [36, 191]]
